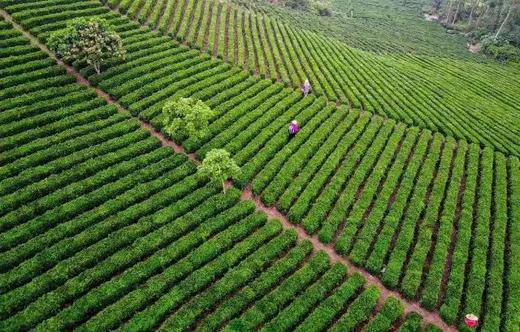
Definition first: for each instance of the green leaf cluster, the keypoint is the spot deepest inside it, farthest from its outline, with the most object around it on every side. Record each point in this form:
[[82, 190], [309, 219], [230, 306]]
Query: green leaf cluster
[[90, 40], [218, 165], [186, 117]]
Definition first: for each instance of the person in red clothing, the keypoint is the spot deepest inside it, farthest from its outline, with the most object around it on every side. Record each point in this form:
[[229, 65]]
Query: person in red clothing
[[471, 320]]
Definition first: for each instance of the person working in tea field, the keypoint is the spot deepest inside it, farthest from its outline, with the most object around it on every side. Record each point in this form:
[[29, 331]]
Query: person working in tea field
[[293, 128], [306, 88]]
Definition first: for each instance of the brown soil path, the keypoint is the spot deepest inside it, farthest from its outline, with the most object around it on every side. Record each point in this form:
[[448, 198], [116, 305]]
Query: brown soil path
[[205, 38], [225, 56], [216, 38], [149, 14], [272, 212]]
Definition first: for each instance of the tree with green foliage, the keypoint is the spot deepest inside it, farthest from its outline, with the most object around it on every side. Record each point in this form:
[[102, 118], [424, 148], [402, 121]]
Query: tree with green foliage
[[92, 40], [499, 48], [218, 166], [186, 117]]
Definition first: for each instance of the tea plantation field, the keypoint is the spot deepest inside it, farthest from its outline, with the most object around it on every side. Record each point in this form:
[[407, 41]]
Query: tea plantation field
[[381, 26], [464, 99], [103, 228]]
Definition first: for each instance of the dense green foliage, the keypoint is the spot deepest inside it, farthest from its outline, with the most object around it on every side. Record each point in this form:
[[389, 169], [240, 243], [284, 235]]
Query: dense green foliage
[[89, 40], [219, 166], [186, 117], [500, 48]]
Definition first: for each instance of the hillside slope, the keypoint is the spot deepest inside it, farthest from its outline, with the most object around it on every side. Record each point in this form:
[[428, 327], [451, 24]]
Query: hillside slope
[[381, 26], [103, 226], [463, 99], [429, 215]]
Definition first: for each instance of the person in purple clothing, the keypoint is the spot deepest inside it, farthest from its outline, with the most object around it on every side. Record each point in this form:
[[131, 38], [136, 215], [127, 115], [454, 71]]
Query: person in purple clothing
[[293, 128]]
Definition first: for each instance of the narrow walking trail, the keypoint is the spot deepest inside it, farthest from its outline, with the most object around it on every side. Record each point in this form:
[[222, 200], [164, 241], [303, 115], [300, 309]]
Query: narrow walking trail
[[272, 212]]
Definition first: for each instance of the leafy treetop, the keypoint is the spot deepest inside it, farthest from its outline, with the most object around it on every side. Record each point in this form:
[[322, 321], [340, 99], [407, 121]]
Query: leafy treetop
[[91, 40], [186, 117], [218, 166]]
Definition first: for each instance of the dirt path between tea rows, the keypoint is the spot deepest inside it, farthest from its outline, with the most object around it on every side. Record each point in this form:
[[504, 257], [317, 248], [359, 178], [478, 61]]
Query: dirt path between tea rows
[[272, 212]]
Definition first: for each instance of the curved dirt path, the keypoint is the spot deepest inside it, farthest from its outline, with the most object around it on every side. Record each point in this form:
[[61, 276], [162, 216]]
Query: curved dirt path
[[272, 212]]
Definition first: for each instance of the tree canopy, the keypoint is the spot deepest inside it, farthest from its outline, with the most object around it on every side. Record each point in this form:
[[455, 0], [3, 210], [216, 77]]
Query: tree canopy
[[186, 117], [91, 40], [218, 166]]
